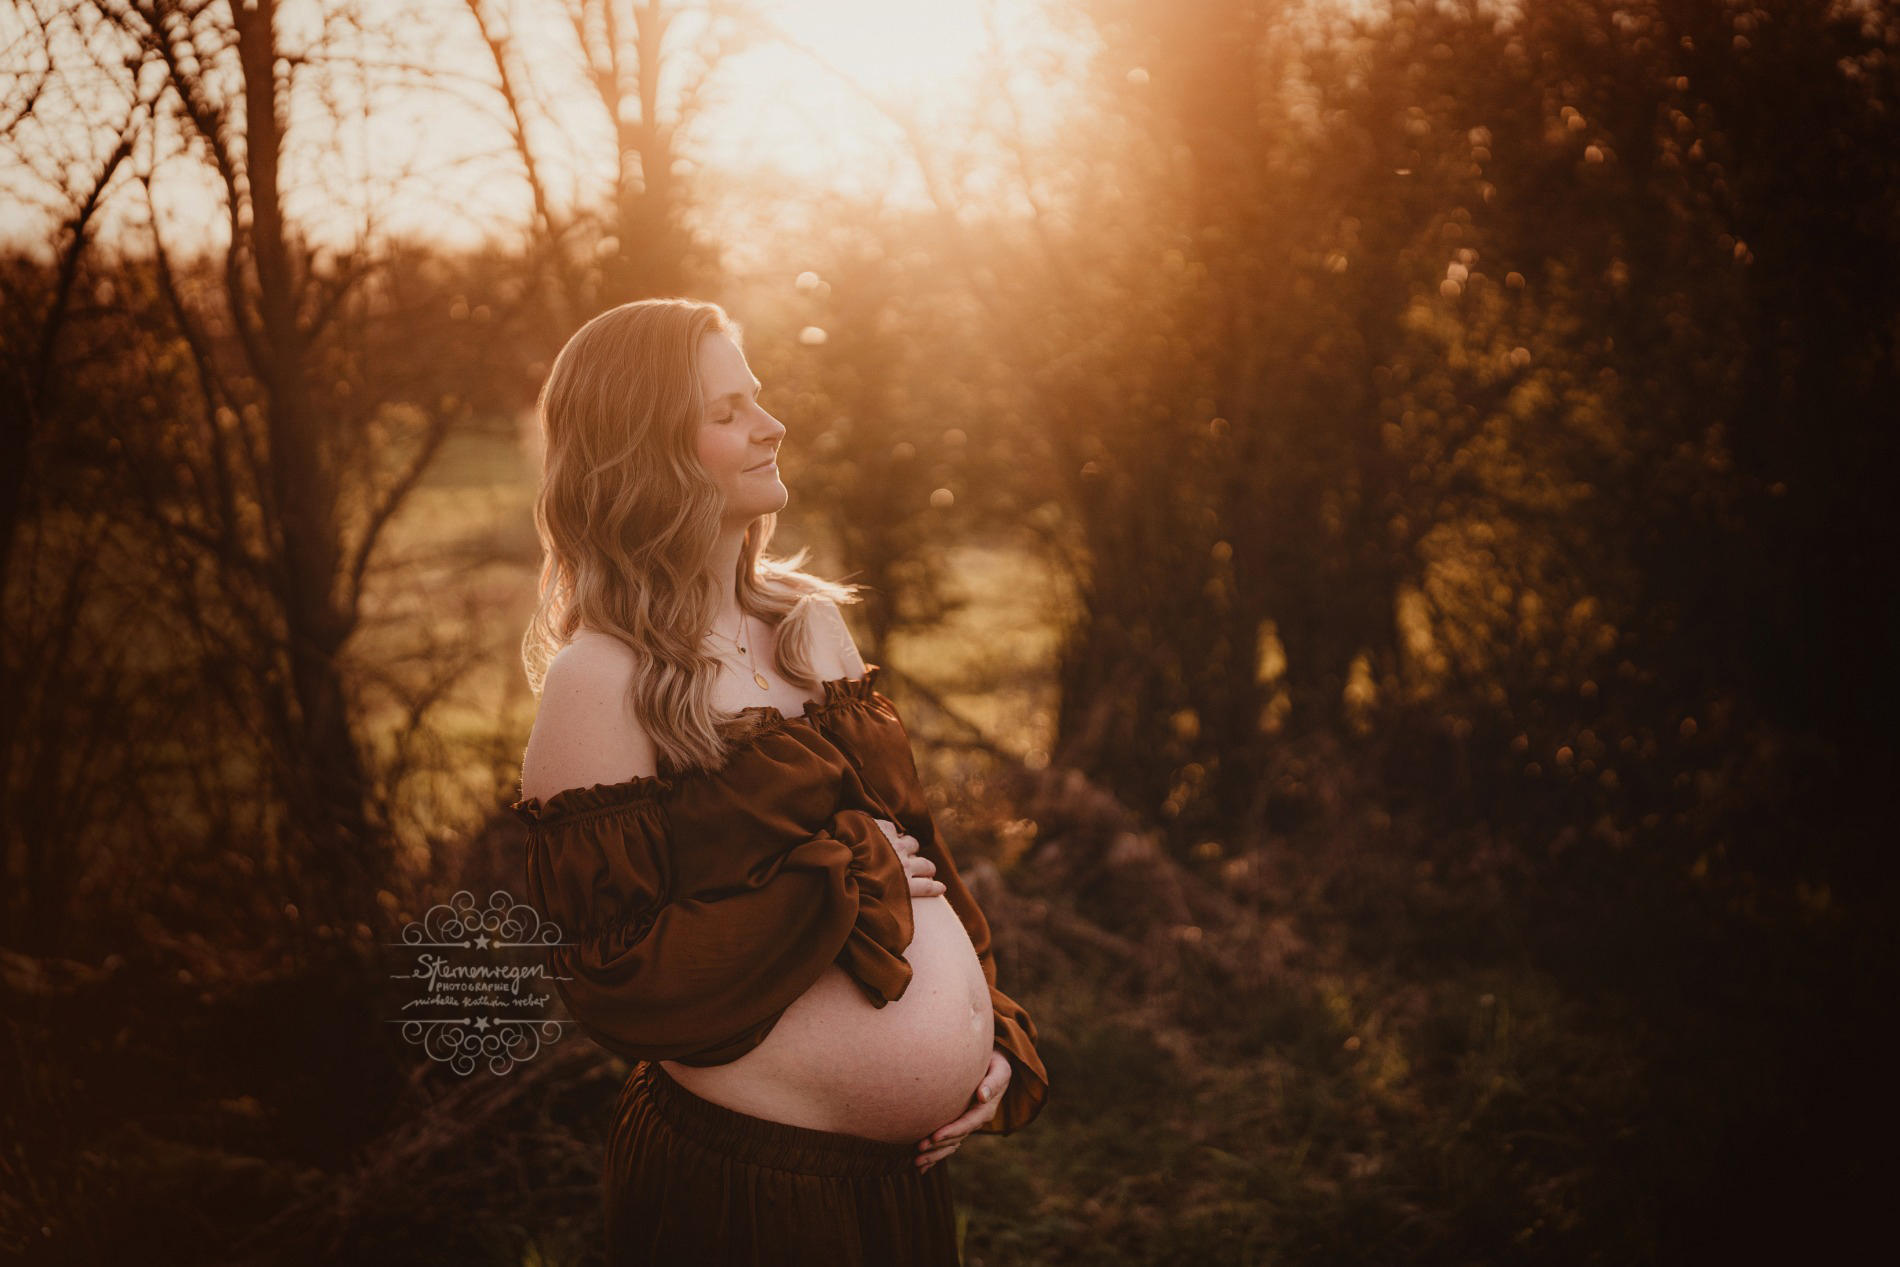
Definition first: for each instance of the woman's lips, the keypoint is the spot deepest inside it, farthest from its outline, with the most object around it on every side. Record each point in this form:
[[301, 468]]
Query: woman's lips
[[766, 465]]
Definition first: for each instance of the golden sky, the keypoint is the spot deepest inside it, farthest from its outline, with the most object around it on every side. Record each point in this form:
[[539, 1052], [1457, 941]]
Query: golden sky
[[420, 138]]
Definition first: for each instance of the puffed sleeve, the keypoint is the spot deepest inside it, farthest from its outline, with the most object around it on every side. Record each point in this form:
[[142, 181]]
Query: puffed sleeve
[[864, 725], [653, 975]]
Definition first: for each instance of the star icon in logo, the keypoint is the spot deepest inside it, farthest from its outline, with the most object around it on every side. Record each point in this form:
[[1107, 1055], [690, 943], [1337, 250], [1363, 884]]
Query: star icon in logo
[[481, 943], [481, 1022]]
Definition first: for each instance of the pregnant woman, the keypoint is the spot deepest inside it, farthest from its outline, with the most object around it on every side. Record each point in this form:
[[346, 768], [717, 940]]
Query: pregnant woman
[[725, 821]]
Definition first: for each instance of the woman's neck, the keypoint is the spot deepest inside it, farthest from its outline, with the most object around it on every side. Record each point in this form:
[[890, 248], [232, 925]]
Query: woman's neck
[[731, 626]]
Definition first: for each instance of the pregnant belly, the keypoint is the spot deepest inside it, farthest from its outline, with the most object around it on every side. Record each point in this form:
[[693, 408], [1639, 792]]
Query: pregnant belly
[[837, 1062]]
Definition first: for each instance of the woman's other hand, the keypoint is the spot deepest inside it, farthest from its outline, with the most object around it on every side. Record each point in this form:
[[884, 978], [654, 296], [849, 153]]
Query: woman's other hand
[[943, 1141], [919, 868]]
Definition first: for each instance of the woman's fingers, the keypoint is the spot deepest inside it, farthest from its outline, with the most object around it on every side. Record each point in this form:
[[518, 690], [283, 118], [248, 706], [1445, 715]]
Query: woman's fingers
[[926, 1160], [924, 886], [988, 1094], [995, 1079], [921, 870], [906, 845], [943, 1141], [979, 1112]]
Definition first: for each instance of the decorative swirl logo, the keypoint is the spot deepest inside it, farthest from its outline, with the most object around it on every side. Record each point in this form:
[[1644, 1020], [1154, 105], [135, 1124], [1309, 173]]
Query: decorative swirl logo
[[458, 923], [460, 1043], [475, 987]]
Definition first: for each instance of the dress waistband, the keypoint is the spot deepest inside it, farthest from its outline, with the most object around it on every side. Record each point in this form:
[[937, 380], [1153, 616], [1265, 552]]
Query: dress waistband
[[761, 1142]]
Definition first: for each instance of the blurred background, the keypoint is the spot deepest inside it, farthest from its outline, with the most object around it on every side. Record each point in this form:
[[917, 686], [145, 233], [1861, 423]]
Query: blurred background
[[1369, 511]]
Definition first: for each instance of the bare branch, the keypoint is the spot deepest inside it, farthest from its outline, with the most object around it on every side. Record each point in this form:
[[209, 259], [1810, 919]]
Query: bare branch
[[499, 49], [392, 499], [329, 292]]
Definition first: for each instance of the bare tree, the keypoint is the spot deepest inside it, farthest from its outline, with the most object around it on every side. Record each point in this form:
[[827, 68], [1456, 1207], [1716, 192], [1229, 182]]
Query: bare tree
[[281, 490], [633, 243], [68, 174]]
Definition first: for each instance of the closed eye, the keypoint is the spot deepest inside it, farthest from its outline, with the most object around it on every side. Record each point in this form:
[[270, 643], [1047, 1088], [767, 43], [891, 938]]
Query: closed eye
[[726, 417]]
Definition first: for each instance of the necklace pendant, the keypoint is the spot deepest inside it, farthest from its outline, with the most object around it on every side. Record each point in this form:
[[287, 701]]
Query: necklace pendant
[[760, 679]]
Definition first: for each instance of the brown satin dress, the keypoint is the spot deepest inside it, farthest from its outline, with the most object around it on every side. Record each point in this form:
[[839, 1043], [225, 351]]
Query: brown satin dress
[[695, 909]]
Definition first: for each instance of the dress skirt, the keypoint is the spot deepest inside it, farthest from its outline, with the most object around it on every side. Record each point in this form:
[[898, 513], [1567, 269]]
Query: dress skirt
[[688, 1181]]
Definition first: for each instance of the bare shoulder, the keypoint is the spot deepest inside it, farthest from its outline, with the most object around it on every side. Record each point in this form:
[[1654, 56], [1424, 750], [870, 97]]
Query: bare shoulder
[[834, 651], [584, 732]]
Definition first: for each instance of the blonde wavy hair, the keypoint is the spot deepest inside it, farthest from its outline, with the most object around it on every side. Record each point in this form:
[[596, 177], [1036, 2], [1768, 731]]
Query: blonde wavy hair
[[628, 517]]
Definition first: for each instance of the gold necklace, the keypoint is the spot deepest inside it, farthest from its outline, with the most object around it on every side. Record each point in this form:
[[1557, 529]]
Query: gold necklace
[[756, 675]]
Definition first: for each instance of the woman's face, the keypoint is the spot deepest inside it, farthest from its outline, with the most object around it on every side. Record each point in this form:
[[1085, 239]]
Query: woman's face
[[738, 441]]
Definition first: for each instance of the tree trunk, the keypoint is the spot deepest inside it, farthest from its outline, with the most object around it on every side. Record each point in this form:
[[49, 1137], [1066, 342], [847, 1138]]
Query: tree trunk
[[326, 786]]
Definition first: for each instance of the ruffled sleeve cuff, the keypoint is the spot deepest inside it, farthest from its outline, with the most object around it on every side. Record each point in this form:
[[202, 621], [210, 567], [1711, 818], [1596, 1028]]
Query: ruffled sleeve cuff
[[1028, 1086], [874, 952]]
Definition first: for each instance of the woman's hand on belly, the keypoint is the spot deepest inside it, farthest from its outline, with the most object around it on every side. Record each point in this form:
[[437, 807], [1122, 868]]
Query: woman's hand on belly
[[919, 868], [943, 1141], [836, 1062]]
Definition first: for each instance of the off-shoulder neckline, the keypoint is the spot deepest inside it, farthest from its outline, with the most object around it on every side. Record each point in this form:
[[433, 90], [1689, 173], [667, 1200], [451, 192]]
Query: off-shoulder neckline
[[746, 728]]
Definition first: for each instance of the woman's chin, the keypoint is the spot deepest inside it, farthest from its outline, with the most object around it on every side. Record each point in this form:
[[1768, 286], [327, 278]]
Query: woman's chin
[[752, 507]]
